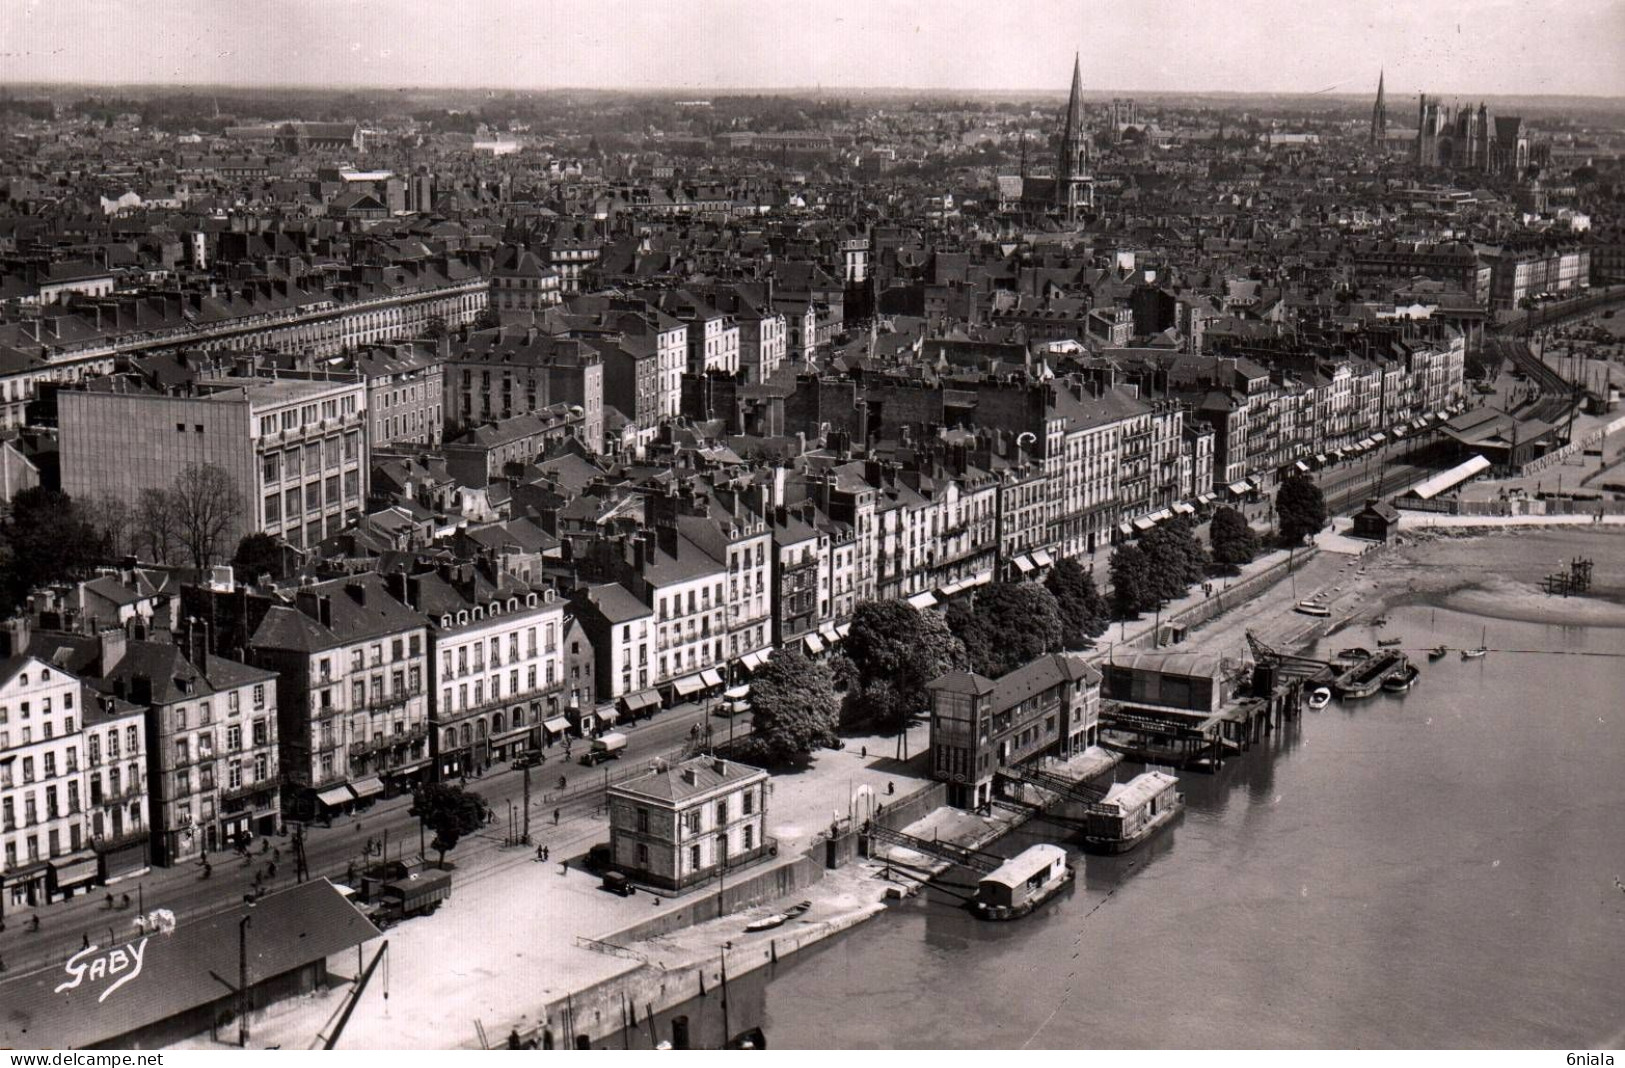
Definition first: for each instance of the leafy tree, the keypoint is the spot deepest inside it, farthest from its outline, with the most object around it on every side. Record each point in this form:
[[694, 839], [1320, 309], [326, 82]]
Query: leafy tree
[[257, 554], [1007, 625], [206, 503], [450, 812], [1300, 510], [1132, 585], [487, 319], [897, 649], [1175, 557], [49, 539], [435, 328], [793, 706], [1083, 610], [1233, 542]]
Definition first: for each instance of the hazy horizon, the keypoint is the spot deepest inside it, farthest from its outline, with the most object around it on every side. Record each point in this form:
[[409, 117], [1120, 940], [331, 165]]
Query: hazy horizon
[[1476, 48]]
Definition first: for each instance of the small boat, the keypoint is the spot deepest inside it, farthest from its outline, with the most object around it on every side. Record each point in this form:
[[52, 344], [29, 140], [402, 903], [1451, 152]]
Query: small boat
[[1389, 643], [1402, 680], [1022, 883], [778, 919], [1314, 608], [1438, 652], [1483, 647], [1320, 698], [1354, 654]]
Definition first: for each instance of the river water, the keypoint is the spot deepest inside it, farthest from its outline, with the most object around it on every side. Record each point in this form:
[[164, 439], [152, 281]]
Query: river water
[[1430, 870]]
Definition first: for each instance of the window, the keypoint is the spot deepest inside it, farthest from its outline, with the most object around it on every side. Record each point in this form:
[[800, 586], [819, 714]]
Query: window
[[693, 820], [234, 737], [259, 696], [750, 836], [313, 497], [747, 802], [722, 812], [271, 467], [694, 858], [643, 821], [234, 775], [643, 853]]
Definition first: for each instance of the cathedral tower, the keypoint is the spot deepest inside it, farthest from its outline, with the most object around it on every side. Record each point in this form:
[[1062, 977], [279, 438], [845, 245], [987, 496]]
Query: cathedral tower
[[1379, 117], [1074, 188]]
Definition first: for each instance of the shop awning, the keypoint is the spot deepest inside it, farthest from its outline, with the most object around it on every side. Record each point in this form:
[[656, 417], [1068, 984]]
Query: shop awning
[[1366, 443], [73, 872], [841, 631], [688, 685], [1441, 416], [1401, 431], [557, 725], [1255, 482], [1144, 522], [637, 702], [826, 631], [1184, 509], [1206, 498], [711, 677], [407, 769], [814, 643], [737, 693], [1023, 563], [371, 786], [334, 796], [753, 661], [950, 589], [1320, 457], [1125, 529], [923, 600], [1238, 488], [1379, 437], [1337, 454], [607, 714], [1301, 466]]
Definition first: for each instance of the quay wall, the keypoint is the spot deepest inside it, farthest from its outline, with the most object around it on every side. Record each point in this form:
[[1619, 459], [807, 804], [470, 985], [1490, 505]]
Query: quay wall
[[778, 881], [1228, 598]]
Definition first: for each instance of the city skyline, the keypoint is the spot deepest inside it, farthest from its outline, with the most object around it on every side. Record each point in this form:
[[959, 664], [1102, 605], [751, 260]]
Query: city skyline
[[1255, 46]]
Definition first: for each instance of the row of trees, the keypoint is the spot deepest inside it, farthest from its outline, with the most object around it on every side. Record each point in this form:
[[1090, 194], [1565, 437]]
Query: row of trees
[[50, 537]]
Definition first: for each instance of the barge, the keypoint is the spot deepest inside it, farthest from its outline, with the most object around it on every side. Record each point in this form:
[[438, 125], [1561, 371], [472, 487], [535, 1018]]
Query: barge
[[1366, 678], [1131, 812], [1022, 883]]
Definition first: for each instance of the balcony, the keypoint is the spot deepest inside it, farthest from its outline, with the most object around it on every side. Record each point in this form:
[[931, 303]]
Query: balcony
[[249, 789]]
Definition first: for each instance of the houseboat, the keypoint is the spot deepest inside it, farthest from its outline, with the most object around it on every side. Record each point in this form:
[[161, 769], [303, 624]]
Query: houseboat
[[1131, 812], [1022, 883]]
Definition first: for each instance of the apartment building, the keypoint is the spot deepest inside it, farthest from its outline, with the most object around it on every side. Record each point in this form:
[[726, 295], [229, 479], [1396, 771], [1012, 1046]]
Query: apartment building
[[498, 374], [681, 825]]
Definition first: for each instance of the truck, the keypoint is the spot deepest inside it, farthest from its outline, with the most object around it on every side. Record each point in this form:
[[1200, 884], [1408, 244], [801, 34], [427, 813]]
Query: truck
[[608, 747], [418, 894]]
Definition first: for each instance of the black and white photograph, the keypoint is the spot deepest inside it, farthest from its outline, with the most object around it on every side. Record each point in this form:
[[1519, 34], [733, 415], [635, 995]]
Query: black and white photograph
[[812, 525]]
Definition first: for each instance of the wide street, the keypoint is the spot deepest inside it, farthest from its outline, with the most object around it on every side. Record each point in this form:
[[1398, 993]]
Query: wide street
[[330, 851]]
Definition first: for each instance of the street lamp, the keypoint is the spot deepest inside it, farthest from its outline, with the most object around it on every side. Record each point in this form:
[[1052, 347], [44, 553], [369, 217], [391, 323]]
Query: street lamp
[[242, 976]]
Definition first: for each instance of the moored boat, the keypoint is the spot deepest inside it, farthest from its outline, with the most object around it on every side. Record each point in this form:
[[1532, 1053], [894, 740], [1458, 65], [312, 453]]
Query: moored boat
[[1389, 643], [1131, 812], [1401, 680], [1320, 698], [1314, 608], [1483, 647], [778, 919], [1022, 883], [1438, 652], [1367, 677]]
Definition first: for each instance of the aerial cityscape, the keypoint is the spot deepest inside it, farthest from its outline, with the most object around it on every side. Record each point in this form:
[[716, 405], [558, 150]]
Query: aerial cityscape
[[848, 527]]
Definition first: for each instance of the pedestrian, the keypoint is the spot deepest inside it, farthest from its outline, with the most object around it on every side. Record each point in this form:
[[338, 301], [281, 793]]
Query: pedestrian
[[541, 853], [555, 817], [564, 867], [891, 788], [86, 938], [125, 902], [271, 867], [545, 852], [110, 902], [866, 752]]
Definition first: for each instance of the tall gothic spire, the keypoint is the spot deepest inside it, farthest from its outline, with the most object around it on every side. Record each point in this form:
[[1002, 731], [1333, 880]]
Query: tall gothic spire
[[1379, 114]]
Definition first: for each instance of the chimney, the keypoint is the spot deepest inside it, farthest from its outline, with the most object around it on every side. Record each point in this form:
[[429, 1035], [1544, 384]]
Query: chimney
[[14, 636], [690, 776], [111, 644], [720, 766]]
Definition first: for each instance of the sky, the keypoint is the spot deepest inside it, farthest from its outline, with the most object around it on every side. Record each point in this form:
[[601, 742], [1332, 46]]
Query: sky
[[1487, 47]]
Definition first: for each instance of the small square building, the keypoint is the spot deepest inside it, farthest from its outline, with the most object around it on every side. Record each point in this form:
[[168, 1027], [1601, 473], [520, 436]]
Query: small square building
[[683, 824]]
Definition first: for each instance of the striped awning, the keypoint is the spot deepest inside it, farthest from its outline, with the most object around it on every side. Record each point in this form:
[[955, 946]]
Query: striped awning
[[1320, 457], [1023, 563], [633, 701], [826, 631], [814, 643], [1379, 437], [843, 630], [923, 600], [1301, 466], [737, 693], [711, 677], [1125, 529], [1184, 509]]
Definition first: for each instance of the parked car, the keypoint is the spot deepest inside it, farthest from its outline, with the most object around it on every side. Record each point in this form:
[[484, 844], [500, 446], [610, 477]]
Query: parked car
[[528, 760], [616, 883]]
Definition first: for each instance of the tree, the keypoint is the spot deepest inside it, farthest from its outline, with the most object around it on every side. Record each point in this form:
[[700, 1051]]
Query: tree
[[793, 706], [1232, 539], [435, 328], [257, 554], [897, 649], [206, 503], [1083, 610], [1131, 581], [450, 812], [1300, 510], [1007, 625], [49, 540], [487, 319], [1175, 558], [155, 529]]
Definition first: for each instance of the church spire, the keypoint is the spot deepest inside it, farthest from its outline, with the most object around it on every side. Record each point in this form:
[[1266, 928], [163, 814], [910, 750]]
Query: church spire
[[1379, 114], [1074, 162]]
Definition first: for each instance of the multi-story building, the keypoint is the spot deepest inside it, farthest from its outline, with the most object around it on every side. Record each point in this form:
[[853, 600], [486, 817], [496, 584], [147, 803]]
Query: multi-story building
[[622, 631], [297, 451], [979, 725], [496, 667], [683, 824], [522, 282], [506, 372], [405, 391], [46, 849], [351, 663], [212, 764]]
